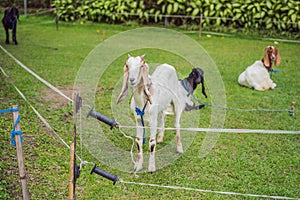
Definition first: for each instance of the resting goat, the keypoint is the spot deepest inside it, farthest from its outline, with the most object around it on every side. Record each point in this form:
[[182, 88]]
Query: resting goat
[[9, 21], [257, 75], [155, 94]]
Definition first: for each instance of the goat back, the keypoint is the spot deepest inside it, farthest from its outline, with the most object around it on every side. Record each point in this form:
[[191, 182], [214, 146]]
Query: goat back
[[165, 82]]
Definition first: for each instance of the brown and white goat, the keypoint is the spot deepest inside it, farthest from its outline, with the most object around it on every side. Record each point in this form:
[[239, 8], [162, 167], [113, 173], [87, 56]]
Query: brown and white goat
[[257, 75], [160, 90]]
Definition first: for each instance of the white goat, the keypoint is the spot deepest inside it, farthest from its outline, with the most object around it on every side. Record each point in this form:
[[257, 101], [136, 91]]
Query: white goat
[[160, 91], [257, 75]]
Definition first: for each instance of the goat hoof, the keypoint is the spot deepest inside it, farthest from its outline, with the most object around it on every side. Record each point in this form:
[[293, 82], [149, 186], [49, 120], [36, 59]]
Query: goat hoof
[[179, 149], [138, 167], [6, 42], [151, 169]]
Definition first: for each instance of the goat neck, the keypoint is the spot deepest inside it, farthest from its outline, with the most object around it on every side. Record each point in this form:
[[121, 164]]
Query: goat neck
[[190, 85]]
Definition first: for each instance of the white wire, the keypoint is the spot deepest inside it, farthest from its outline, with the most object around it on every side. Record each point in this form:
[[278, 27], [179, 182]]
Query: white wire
[[36, 76], [133, 142], [36, 112], [206, 191], [41, 12], [216, 130], [39, 115]]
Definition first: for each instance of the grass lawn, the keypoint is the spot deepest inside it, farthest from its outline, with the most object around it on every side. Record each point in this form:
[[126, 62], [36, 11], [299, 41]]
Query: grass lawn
[[263, 164]]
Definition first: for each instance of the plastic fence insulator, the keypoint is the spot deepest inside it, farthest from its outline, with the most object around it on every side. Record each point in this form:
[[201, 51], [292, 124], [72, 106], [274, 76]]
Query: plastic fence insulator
[[112, 123], [78, 103], [105, 174]]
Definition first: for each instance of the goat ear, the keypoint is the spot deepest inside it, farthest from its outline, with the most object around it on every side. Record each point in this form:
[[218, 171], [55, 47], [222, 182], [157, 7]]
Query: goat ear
[[203, 87], [125, 85], [129, 55], [145, 76], [266, 58], [277, 61]]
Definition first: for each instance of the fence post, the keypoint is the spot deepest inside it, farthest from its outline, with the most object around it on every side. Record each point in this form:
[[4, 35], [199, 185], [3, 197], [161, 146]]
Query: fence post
[[20, 156], [56, 18], [200, 26], [293, 108], [25, 7], [72, 172]]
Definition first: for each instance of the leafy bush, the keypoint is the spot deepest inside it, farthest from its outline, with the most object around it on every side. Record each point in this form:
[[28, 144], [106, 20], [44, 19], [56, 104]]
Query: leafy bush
[[30, 3], [272, 15]]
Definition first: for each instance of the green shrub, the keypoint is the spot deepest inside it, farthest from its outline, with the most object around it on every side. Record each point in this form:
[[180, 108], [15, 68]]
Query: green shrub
[[281, 16]]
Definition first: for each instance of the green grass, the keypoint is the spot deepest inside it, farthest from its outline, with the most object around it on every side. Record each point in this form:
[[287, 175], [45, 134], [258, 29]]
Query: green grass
[[243, 163]]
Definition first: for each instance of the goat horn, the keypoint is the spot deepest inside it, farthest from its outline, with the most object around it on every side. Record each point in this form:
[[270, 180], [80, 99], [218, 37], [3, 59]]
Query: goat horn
[[143, 56]]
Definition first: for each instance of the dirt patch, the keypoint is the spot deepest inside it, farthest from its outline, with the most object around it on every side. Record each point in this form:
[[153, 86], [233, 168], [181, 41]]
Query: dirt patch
[[55, 99]]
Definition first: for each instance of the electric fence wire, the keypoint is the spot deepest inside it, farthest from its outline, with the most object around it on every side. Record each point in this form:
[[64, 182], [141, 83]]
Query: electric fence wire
[[41, 12], [35, 111], [207, 191]]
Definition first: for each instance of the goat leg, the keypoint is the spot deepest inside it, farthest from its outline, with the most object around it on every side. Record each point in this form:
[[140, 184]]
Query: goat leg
[[151, 167], [189, 107], [139, 163], [7, 36], [14, 35], [200, 106], [161, 126]]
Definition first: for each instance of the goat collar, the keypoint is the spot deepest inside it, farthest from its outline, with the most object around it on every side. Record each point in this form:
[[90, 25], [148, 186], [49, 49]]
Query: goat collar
[[138, 110], [185, 86], [141, 114]]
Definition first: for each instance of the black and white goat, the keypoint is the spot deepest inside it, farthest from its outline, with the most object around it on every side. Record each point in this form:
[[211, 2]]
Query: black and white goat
[[9, 21], [186, 88], [155, 94]]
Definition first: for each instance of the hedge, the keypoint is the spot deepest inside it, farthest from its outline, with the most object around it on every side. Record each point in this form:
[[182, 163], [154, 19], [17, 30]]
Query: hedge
[[283, 16], [30, 3]]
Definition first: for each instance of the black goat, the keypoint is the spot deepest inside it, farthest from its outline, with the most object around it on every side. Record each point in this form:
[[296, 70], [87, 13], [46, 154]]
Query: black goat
[[190, 83], [9, 21]]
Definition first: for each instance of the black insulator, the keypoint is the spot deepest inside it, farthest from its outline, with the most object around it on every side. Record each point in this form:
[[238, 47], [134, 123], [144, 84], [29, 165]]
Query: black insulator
[[105, 174], [77, 171], [78, 103], [102, 118]]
